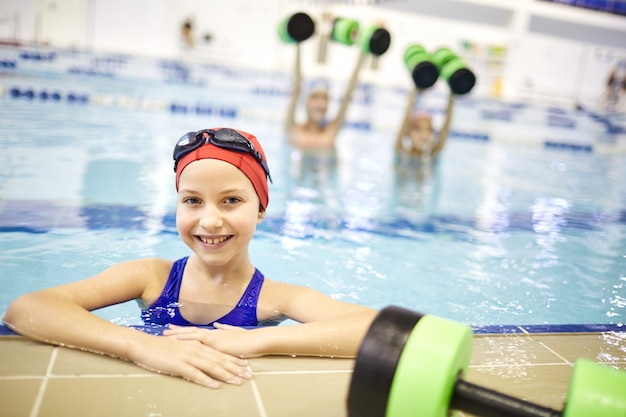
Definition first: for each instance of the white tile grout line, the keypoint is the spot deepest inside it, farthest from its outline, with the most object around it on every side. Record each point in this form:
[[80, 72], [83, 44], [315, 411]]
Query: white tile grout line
[[72, 376], [257, 396], [44, 384], [518, 365], [334, 371], [156, 375], [553, 351], [545, 346]]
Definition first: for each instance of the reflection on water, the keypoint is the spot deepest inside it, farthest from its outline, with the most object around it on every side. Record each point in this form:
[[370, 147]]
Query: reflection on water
[[509, 358], [416, 184], [313, 176], [612, 340], [316, 188]]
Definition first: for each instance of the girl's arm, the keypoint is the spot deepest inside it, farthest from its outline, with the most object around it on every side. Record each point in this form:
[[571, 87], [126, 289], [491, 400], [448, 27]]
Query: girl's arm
[[62, 316], [345, 101], [328, 328], [445, 128], [290, 119], [408, 113]]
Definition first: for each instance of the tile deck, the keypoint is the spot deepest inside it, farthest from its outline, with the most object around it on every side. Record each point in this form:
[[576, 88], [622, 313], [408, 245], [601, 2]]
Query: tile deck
[[38, 380]]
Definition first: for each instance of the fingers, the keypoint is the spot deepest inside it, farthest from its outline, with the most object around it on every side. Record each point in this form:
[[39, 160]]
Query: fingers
[[221, 326], [215, 339], [213, 366], [188, 333], [193, 361], [190, 374], [175, 330], [213, 375]]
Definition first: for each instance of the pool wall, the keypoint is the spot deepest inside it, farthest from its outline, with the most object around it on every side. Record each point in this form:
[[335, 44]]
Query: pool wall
[[571, 50]]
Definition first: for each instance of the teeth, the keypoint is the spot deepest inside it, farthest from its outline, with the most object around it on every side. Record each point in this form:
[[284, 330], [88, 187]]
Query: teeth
[[213, 241]]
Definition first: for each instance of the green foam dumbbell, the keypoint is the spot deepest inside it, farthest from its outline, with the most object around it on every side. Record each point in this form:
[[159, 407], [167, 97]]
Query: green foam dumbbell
[[457, 74], [411, 364], [595, 390], [374, 40], [345, 31], [296, 28], [421, 67]]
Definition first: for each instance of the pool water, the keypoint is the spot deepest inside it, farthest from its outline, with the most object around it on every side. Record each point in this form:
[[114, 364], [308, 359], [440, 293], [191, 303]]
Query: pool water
[[521, 221]]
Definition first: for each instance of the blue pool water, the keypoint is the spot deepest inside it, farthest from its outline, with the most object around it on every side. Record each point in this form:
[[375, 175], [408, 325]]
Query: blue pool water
[[523, 221]]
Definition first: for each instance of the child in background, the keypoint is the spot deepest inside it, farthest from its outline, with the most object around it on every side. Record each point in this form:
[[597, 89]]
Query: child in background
[[317, 132], [416, 136], [187, 36], [222, 189]]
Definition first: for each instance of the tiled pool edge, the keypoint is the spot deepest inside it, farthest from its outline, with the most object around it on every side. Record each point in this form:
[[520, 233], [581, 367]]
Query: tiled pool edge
[[485, 330]]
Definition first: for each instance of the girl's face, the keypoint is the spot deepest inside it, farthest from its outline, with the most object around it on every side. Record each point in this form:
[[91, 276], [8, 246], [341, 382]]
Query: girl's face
[[317, 105], [421, 132], [217, 211]]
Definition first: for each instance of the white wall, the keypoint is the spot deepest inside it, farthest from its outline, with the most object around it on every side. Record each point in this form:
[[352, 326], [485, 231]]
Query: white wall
[[18, 20], [540, 64]]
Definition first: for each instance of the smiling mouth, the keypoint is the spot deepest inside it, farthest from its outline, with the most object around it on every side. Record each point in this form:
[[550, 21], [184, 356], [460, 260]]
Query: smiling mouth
[[213, 241]]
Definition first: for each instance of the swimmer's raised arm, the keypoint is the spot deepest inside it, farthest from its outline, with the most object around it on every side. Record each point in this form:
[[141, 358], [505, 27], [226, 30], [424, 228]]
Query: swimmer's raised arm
[[345, 101], [406, 120], [62, 316], [445, 128], [290, 119]]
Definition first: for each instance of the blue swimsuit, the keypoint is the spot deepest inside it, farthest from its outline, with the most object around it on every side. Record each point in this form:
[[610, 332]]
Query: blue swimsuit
[[165, 310]]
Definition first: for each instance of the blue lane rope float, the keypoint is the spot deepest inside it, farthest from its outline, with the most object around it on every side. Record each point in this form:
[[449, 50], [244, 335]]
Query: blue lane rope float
[[28, 93]]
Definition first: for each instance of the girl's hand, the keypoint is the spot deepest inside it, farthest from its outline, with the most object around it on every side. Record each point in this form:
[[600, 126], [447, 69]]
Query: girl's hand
[[192, 360], [225, 338]]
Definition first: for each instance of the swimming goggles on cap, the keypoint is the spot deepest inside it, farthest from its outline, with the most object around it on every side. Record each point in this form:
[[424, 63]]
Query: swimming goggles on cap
[[222, 138]]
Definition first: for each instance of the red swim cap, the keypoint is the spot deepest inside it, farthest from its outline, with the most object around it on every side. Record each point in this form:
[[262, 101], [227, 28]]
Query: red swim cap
[[242, 160]]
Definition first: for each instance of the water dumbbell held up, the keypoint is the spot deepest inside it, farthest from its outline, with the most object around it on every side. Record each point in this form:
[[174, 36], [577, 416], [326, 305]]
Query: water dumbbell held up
[[374, 40], [421, 67], [457, 74], [411, 364], [345, 31], [426, 68], [300, 26], [296, 28]]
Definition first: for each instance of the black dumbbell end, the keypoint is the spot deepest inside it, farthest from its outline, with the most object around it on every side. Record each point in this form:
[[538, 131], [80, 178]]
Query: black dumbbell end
[[425, 74], [300, 27], [377, 359], [380, 41], [462, 81]]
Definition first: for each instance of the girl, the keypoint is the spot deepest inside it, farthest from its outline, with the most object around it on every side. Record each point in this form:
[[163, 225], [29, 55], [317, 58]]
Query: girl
[[221, 180], [416, 136], [317, 132]]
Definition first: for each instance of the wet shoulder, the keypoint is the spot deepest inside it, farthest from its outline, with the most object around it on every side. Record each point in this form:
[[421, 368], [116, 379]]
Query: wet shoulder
[[276, 293], [153, 272]]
